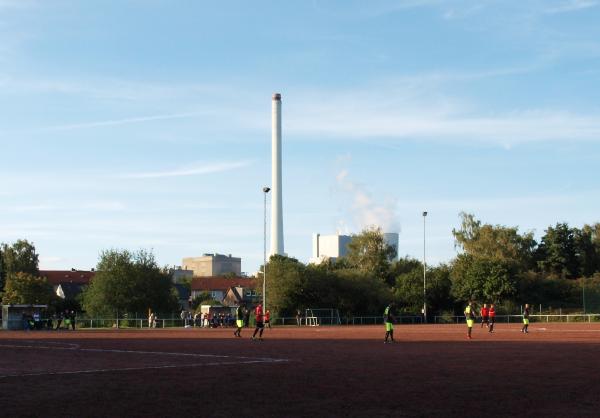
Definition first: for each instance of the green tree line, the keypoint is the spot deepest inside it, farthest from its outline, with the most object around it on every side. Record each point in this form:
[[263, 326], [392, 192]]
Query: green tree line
[[495, 263]]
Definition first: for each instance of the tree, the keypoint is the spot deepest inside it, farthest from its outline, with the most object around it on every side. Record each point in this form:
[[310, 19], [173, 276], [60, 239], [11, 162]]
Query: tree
[[288, 286], [483, 279], [129, 282], [291, 285], [557, 253], [25, 288], [19, 257], [369, 252], [494, 241], [587, 244], [408, 290]]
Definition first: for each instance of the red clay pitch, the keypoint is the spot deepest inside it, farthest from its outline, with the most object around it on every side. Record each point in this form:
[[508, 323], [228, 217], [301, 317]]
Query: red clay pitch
[[303, 372]]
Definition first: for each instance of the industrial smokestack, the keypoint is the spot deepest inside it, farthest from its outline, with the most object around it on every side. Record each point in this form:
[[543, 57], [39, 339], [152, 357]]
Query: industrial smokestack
[[276, 200]]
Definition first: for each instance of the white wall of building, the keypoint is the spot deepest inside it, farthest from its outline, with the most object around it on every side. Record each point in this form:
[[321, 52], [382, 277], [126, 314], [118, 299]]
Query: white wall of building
[[333, 246]]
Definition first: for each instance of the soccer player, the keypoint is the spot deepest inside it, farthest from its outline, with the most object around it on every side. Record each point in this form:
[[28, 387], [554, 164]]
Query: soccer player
[[268, 319], [470, 317], [260, 326], [485, 316], [388, 319], [525, 319], [492, 314], [239, 321]]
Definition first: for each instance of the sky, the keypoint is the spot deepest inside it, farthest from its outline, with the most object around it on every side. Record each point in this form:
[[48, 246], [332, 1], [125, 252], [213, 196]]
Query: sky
[[145, 124]]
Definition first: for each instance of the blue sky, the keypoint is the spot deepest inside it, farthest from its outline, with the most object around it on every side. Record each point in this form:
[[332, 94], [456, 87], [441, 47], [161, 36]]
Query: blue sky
[[146, 123]]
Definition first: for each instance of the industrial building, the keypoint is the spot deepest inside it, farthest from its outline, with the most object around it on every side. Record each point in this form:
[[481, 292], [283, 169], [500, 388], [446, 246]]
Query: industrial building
[[331, 247], [210, 265]]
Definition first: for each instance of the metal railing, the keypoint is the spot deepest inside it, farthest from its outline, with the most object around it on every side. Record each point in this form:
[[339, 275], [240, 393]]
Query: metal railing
[[451, 319], [344, 320]]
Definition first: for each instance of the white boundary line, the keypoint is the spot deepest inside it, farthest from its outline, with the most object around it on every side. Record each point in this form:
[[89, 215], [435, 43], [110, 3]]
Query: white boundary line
[[241, 360]]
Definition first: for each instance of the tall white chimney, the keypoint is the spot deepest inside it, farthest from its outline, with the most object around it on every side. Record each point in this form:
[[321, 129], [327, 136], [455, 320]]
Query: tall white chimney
[[276, 199]]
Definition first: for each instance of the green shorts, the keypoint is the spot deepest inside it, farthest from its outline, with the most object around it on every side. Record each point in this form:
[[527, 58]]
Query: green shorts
[[240, 323], [470, 323], [389, 326], [525, 321]]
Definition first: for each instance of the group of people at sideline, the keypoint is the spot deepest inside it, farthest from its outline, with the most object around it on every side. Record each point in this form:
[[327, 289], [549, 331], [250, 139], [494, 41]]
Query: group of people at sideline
[[35, 321], [215, 319]]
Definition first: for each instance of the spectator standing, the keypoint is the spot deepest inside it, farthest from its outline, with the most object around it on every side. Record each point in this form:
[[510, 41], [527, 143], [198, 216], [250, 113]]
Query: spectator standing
[[59, 319], [183, 317], [36, 320], [298, 317], [72, 318], [246, 317]]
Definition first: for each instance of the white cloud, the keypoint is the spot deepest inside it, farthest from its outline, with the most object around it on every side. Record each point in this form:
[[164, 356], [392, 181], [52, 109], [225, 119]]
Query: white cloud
[[101, 206], [571, 6], [196, 169], [416, 113], [124, 121]]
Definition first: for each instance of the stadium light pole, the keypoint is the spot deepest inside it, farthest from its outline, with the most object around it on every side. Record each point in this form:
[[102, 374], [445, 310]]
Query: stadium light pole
[[264, 295], [583, 292], [424, 273]]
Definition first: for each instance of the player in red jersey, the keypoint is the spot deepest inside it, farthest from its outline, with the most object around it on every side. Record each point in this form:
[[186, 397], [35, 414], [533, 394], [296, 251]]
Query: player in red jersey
[[260, 325], [485, 316], [492, 314]]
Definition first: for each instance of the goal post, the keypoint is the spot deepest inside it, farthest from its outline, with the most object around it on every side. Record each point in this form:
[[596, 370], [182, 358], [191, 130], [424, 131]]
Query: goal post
[[322, 316]]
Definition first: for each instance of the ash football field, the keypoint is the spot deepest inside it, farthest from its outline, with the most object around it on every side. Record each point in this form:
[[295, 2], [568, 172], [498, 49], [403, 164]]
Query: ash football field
[[345, 371]]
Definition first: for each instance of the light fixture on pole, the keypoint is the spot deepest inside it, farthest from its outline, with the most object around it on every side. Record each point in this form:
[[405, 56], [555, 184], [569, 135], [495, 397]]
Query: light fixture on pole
[[424, 274], [264, 292]]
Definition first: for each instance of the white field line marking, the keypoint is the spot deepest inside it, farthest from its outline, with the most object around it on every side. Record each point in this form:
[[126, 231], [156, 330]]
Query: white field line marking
[[158, 353], [242, 359], [168, 366]]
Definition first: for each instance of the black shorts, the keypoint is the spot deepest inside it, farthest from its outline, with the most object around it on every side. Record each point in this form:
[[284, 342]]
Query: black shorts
[[492, 319], [484, 319], [260, 324]]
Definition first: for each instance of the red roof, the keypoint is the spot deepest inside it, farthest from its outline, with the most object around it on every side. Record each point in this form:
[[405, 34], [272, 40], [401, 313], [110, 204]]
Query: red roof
[[220, 283], [55, 277]]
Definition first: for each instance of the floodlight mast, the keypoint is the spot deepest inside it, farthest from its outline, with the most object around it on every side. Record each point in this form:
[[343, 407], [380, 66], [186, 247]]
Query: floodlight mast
[[264, 292], [424, 273]]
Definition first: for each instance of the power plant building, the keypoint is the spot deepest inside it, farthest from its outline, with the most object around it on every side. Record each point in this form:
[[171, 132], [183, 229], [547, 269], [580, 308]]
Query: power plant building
[[326, 247], [210, 265], [331, 247]]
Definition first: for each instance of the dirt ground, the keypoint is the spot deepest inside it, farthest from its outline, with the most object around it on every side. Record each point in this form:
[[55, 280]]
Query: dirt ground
[[432, 370]]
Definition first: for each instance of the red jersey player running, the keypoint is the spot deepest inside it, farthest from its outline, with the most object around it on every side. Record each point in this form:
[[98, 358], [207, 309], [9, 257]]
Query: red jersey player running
[[485, 316], [258, 312]]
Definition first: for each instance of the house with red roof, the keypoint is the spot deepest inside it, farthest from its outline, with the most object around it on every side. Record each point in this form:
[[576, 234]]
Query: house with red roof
[[68, 284], [230, 290]]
